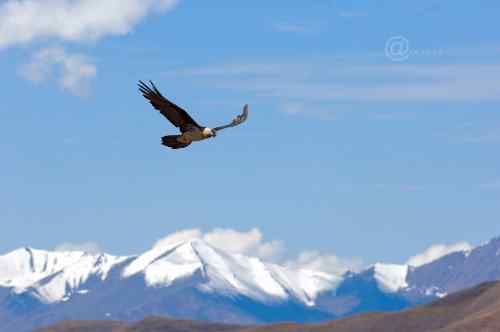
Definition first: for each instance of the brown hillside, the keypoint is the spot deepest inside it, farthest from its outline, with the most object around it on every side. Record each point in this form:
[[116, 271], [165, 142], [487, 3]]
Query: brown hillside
[[475, 309]]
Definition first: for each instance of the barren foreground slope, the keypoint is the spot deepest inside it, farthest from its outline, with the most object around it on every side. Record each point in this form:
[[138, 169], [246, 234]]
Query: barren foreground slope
[[475, 309]]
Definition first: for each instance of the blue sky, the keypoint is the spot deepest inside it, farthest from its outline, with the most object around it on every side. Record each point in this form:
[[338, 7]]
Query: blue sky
[[346, 151]]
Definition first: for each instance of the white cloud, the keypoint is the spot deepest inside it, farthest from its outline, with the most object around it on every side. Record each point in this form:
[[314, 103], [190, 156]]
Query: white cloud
[[252, 243], [26, 21], [294, 108], [229, 240], [90, 247], [493, 184], [323, 82], [437, 251], [332, 264], [23, 21], [352, 14], [234, 241], [299, 28], [179, 236], [291, 27], [491, 136], [270, 250], [72, 71]]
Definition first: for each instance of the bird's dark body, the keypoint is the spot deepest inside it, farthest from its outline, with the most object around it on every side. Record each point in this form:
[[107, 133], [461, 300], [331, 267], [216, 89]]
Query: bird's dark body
[[172, 142]]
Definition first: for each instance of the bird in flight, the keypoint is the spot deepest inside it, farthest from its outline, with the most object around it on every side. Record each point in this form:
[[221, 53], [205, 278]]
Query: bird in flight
[[190, 130]]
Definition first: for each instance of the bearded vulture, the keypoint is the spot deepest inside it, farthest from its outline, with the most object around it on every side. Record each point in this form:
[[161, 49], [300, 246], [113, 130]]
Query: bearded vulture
[[190, 130]]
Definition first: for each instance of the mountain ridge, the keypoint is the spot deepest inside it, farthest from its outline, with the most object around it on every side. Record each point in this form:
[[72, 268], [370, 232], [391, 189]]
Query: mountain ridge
[[474, 309], [162, 266], [191, 279]]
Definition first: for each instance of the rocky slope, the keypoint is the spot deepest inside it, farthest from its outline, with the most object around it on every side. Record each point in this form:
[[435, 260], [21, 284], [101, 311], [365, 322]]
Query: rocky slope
[[475, 309]]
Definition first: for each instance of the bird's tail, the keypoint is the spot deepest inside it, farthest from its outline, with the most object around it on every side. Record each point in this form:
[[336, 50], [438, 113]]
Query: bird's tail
[[172, 142]]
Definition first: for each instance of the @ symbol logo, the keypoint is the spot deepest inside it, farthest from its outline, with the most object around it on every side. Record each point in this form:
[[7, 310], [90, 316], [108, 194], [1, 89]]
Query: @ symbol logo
[[397, 48]]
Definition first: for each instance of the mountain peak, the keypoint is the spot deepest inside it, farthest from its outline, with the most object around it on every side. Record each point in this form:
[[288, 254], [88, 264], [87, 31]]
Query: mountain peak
[[223, 273], [23, 267]]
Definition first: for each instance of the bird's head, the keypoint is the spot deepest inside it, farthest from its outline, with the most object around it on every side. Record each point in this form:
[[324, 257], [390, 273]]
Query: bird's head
[[209, 132]]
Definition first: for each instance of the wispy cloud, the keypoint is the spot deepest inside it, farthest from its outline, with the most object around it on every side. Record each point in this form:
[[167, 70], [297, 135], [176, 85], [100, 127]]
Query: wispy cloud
[[290, 27], [474, 133], [23, 21], [252, 243], [411, 188], [334, 81], [72, 72], [294, 108], [437, 251], [230, 240], [298, 28], [492, 185], [352, 14], [489, 136], [329, 263], [90, 247]]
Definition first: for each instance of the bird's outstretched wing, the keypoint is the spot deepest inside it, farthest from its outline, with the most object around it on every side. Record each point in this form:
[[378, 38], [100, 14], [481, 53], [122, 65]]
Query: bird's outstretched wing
[[179, 117], [236, 121]]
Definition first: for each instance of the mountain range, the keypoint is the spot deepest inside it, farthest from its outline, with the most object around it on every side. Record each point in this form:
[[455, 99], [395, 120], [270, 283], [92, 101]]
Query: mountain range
[[194, 280], [474, 309]]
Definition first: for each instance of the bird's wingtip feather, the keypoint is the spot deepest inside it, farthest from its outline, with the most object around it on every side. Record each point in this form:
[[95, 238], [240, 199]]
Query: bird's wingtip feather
[[144, 88]]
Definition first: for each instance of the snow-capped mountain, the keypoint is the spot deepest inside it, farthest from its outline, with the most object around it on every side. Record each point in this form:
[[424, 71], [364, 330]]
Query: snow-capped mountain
[[229, 275], [191, 279], [55, 276], [457, 271], [52, 276], [23, 267], [387, 287], [196, 279], [450, 273]]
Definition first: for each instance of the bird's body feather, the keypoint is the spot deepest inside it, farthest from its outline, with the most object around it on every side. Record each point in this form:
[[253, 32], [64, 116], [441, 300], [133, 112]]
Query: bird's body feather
[[194, 135], [172, 141]]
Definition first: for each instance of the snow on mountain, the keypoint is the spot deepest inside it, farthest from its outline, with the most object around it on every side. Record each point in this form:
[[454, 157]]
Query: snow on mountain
[[391, 277], [305, 284], [227, 274], [23, 267], [458, 270], [62, 284], [190, 268], [191, 279], [54, 277]]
